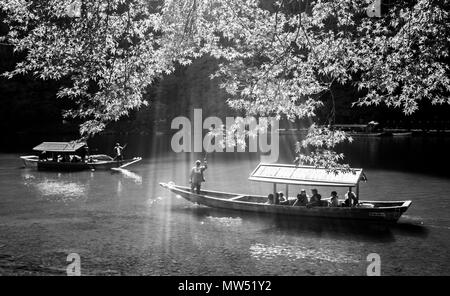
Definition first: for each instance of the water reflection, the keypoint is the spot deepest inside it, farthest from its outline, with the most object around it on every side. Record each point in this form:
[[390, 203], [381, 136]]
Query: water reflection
[[129, 175], [78, 186], [154, 201], [269, 225], [354, 230]]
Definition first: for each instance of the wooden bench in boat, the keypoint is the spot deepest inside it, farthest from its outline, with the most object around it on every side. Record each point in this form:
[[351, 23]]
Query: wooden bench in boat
[[237, 197]]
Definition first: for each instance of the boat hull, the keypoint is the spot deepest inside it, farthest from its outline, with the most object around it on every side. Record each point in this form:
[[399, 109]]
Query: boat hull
[[30, 161], [366, 135], [388, 212], [34, 162], [402, 134]]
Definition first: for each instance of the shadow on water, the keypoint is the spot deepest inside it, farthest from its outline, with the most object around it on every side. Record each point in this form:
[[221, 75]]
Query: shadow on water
[[310, 226], [410, 229]]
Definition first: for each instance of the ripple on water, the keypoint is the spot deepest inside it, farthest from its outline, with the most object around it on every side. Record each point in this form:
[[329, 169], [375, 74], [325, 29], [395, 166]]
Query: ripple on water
[[223, 221], [154, 201], [263, 251]]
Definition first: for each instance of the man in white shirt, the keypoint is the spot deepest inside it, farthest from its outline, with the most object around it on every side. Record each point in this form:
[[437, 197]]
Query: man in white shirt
[[196, 176]]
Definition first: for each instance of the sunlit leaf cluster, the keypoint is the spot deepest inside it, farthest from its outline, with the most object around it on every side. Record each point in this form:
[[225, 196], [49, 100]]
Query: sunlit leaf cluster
[[280, 60]]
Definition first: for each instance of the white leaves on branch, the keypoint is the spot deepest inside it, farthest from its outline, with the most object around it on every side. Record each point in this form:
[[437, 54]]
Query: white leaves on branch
[[74, 9], [318, 149], [279, 63]]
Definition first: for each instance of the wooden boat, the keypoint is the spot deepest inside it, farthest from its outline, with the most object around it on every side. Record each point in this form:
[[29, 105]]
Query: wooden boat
[[291, 131], [362, 130], [384, 211], [362, 134], [69, 156], [401, 134]]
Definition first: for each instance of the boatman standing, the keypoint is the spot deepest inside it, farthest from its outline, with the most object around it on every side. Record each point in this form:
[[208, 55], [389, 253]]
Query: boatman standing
[[118, 149], [196, 177]]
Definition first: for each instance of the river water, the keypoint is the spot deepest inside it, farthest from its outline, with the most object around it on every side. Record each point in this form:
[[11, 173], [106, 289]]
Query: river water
[[125, 224]]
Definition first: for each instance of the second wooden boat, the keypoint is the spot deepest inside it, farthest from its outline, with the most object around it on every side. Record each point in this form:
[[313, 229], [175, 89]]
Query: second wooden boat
[[70, 156]]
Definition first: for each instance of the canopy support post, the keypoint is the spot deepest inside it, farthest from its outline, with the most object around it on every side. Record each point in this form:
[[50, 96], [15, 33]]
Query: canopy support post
[[287, 191], [357, 192], [274, 189]]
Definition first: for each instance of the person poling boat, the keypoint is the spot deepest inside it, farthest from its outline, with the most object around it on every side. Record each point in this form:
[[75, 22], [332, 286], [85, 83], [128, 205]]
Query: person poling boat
[[196, 176], [118, 150]]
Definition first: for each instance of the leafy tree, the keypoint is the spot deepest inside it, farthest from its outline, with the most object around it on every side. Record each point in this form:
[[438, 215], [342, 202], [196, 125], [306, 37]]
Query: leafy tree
[[276, 59]]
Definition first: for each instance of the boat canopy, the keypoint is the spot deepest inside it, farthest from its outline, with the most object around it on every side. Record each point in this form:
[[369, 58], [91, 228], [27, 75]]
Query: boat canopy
[[304, 175], [67, 147]]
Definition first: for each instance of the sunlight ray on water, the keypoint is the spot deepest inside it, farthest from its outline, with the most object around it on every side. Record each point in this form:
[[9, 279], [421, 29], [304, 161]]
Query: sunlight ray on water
[[57, 190], [131, 175]]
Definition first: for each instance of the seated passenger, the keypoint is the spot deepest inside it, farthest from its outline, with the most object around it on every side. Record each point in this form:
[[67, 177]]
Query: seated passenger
[[283, 200], [76, 158], [334, 200], [270, 200], [276, 200], [281, 195], [350, 199], [315, 199], [43, 156], [302, 198]]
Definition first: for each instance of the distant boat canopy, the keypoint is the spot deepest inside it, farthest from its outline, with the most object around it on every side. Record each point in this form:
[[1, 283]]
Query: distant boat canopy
[[62, 147], [305, 175]]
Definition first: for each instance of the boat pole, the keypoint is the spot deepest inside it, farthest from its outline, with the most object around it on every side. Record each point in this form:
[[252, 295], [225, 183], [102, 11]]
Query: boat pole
[[350, 201]]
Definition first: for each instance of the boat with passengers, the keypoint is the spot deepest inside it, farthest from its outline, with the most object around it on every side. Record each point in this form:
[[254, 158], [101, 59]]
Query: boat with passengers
[[71, 156], [298, 176]]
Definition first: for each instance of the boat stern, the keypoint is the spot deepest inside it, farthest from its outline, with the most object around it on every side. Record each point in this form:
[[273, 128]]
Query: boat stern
[[167, 185], [30, 161], [406, 204]]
